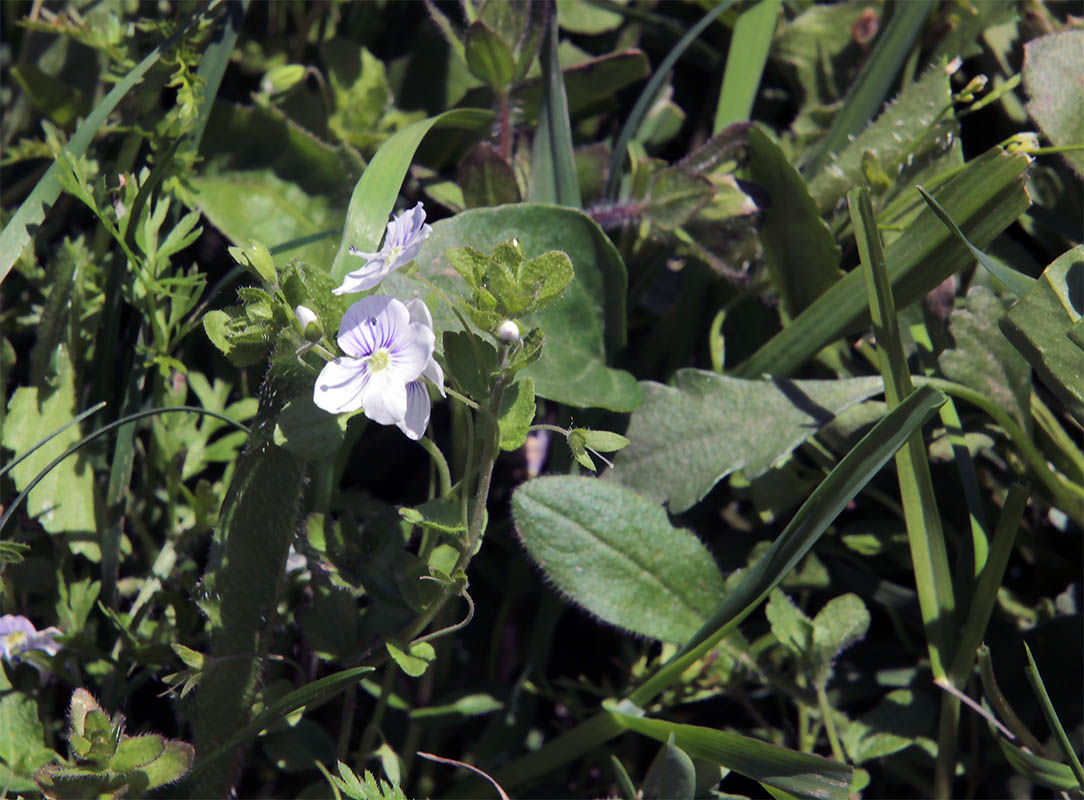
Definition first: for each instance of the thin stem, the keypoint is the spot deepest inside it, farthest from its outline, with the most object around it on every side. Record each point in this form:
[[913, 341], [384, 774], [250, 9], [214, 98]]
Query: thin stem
[[372, 730], [830, 725], [441, 464]]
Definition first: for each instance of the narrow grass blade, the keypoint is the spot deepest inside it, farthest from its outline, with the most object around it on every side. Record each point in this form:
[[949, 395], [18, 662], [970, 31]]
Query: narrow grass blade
[[647, 97], [215, 59], [876, 79], [987, 197], [749, 46], [17, 232], [989, 580], [1016, 282], [798, 774], [1060, 736], [553, 166], [374, 195]]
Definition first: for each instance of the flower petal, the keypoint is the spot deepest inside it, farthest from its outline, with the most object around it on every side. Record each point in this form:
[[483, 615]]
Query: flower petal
[[416, 419], [384, 398], [371, 273], [340, 385], [372, 323]]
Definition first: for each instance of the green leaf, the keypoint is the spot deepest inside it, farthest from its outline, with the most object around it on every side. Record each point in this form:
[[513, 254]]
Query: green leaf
[[21, 738], [516, 414], [486, 178], [799, 774], [134, 752], [603, 441], [59, 101], [671, 775], [686, 438], [800, 250], [241, 342], [616, 554], [374, 194], [17, 233], [553, 166], [789, 625], [1052, 67], [581, 327], [901, 719], [842, 621], [984, 359], [1037, 769], [488, 57], [307, 431], [1039, 326], [469, 363], [442, 513], [986, 197], [675, 195], [414, 663], [63, 502], [749, 47]]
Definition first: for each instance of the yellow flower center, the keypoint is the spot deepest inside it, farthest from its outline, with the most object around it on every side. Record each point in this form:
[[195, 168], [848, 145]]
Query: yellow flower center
[[379, 360]]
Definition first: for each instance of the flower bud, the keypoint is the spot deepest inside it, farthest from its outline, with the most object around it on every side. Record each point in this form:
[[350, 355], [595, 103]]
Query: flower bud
[[311, 328], [508, 331], [282, 78]]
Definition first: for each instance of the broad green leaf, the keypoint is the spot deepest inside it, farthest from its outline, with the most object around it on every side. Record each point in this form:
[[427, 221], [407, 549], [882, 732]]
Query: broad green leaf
[[1052, 69], [799, 774], [672, 775], [307, 431], [63, 503], [985, 198], [616, 555], [442, 513], [260, 205], [585, 324], [984, 359], [516, 414], [21, 739], [487, 56], [486, 178], [1039, 326], [800, 251], [582, 16], [686, 438], [902, 718], [59, 101]]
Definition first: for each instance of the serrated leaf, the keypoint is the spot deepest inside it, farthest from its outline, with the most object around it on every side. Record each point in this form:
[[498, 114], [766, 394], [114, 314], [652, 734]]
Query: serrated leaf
[[675, 195], [686, 438], [789, 625], [616, 554], [228, 331], [63, 502], [843, 621], [984, 359]]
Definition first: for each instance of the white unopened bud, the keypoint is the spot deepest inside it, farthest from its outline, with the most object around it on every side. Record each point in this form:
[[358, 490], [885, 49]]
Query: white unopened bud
[[310, 323], [508, 331]]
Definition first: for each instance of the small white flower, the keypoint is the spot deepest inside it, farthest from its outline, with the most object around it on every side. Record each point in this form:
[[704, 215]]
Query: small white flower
[[402, 241], [17, 635], [418, 405], [386, 351]]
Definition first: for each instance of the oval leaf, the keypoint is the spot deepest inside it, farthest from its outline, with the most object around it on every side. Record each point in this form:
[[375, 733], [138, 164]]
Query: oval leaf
[[617, 555]]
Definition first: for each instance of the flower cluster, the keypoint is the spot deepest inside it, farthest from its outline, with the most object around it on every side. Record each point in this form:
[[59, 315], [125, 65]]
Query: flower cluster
[[388, 344], [18, 635]]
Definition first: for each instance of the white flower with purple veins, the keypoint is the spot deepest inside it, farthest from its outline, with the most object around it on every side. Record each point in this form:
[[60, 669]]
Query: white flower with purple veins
[[418, 406], [18, 634], [402, 241], [388, 348]]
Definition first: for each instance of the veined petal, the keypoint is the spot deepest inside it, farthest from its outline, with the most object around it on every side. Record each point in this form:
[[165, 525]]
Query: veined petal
[[435, 375], [419, 312], [384, 398], [340, 385], [372, 323], [411, 352], [371, 273], [416, 419]]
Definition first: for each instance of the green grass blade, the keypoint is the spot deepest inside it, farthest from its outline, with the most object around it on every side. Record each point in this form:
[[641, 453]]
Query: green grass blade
[[215, 59], [848, 478], [987, 196], [1016, 282], [553, 166], [798, 774], [745, 60], [648, 95], [1060, 736], [989, 580], [873, 84], [16, 233], [374, 195], [929, 555]]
